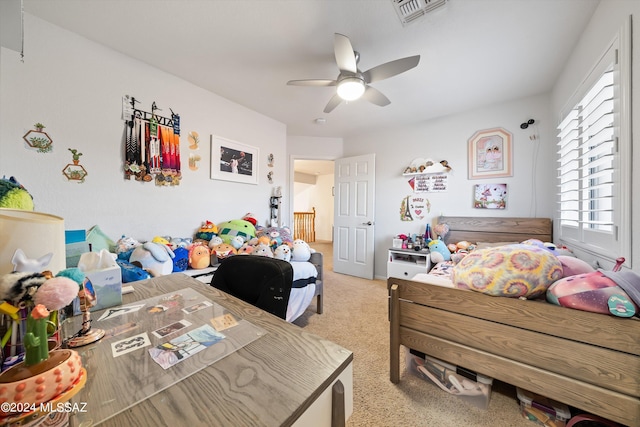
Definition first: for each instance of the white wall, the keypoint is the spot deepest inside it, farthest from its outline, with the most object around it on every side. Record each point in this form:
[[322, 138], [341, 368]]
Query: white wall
[[446, 138], [605, 23], [75, 87]]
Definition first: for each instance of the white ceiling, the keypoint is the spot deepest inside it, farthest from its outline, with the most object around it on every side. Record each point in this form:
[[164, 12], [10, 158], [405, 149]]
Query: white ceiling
[[473, 52]]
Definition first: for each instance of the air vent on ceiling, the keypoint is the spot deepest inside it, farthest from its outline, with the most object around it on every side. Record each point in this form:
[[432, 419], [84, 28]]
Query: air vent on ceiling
[[410, 10]]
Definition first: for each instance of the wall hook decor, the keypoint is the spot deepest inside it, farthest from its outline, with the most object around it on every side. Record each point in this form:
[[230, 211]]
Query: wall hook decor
[[527, 124]]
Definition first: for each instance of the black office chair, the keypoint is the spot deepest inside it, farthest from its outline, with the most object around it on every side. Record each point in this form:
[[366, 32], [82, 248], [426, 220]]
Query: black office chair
[[261, 281]]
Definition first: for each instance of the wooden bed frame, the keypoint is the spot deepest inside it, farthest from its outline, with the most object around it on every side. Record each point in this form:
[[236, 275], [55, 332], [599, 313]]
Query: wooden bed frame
[[587, 360]]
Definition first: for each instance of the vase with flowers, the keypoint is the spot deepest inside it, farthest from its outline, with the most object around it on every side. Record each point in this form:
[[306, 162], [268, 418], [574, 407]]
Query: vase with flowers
[[43, 375]]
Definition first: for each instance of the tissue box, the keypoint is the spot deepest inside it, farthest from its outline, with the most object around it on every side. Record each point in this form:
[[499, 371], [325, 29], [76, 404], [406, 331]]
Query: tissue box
[[105, 276], [541, 410], [467, 385]]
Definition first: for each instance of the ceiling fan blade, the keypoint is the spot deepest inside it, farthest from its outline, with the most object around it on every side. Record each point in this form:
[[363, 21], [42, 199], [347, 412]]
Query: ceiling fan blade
[[374, 96], [333, 103], [345, 56], [390, 69], [312, 82]]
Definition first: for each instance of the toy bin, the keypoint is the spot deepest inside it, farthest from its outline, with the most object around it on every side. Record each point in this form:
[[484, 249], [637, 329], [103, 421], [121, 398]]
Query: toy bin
[[467, 385], [541, 410]]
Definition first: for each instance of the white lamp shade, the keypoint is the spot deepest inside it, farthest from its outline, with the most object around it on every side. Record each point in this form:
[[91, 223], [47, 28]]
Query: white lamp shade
[[37, 234], [350, 88]]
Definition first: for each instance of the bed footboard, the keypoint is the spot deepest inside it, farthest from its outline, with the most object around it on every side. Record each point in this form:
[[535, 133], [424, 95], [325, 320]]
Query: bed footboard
[[587, 360]]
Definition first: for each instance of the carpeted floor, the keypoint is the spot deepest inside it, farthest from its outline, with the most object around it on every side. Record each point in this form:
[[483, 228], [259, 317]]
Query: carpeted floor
[[356, 317]]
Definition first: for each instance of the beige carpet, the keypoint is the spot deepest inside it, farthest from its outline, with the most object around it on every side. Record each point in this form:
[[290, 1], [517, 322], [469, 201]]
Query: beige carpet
[[355, 316]]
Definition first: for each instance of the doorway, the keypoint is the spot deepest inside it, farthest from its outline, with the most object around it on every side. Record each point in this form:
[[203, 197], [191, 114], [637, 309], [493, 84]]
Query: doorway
[[313, 185]]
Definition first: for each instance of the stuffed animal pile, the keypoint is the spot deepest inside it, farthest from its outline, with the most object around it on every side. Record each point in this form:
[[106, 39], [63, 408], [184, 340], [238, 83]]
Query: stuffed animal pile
[[210, 244]]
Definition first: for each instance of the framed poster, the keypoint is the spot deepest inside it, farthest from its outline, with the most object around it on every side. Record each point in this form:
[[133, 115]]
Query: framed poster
[[490, 196], [233, 161], [490, 154]]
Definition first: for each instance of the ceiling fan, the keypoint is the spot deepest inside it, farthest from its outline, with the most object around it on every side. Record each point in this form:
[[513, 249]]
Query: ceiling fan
[[351, 82]]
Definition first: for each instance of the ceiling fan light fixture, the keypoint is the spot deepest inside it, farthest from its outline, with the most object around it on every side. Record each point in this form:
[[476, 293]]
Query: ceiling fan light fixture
[[351, 88]]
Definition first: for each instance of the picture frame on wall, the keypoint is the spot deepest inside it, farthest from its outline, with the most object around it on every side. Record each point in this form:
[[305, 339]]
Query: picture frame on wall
[[490, 196], [490, 154], [233, 161]]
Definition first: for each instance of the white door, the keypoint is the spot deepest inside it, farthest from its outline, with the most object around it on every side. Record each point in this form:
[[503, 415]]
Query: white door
[[353, 247]]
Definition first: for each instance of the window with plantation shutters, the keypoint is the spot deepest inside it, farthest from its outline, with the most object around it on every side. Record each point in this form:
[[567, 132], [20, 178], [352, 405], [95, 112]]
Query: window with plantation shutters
[[594, 150]]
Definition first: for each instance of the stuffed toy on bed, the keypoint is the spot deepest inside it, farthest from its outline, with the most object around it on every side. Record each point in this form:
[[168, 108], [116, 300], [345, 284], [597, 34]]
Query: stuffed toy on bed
[[276, 235], [510, 271], [301, 251], [236, 227], [605, 292]]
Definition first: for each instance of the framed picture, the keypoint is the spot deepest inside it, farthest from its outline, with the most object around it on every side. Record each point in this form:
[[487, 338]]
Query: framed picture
[[490, 196], [233, 161], [490, 154]]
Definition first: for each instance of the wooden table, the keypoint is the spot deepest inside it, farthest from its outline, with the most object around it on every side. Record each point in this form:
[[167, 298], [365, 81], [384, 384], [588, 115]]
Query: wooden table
[[287, 377]]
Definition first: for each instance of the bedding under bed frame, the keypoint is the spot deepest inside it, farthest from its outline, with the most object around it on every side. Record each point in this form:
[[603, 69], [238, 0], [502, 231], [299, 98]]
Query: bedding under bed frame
[[587, 360]]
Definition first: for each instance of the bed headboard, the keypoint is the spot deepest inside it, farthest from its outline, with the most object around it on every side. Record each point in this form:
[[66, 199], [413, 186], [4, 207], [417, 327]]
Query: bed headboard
[[493, 229]]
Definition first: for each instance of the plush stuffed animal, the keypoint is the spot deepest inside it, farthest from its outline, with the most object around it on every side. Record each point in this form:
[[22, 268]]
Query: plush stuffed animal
[[223, 250], [199, 256], [276, 235], [246, 249], [598, 291], [163, 240], [16, 286], [301, 251], [236, 227], [251, 218], [438, 251], [124, 246], [237, 242], [56, 293], [22, 263], [181, 259], [156, 258], [206, 231], [263, 250], [180, 242], [283, 252], [215, 241], [515, 271], [130, 272], [14, 196]]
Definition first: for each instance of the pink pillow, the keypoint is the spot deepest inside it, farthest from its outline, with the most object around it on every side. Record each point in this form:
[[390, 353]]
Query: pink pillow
[[572, 266]]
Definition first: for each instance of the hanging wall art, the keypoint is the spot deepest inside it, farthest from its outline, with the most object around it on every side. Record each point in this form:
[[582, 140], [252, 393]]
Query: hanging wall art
[[152, 146], [38, 139], [414, 208], [194, 145], [74, 171], [233, 161], [490, 154], [490, 196]]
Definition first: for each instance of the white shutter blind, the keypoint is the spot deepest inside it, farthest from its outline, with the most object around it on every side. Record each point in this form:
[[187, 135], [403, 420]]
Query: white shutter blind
[[587, 163]]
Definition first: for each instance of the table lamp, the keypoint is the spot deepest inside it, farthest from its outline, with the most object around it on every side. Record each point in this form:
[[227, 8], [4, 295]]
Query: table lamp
[[37, 235]]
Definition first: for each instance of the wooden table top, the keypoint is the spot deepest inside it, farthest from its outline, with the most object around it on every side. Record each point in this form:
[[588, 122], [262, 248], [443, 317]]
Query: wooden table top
[[269, 382]]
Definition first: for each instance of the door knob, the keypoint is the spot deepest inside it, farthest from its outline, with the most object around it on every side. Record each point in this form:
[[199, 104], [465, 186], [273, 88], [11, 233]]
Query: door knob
[[367, 223]]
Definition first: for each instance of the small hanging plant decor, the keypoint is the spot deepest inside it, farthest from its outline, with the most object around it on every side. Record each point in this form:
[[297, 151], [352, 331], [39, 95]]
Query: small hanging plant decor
[[75, 171], [37, 138]]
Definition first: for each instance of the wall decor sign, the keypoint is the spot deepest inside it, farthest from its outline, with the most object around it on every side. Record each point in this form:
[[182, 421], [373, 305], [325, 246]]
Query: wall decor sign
[[436, 183], [233, 161], [490, 154], [414, 208], [490, 196]]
